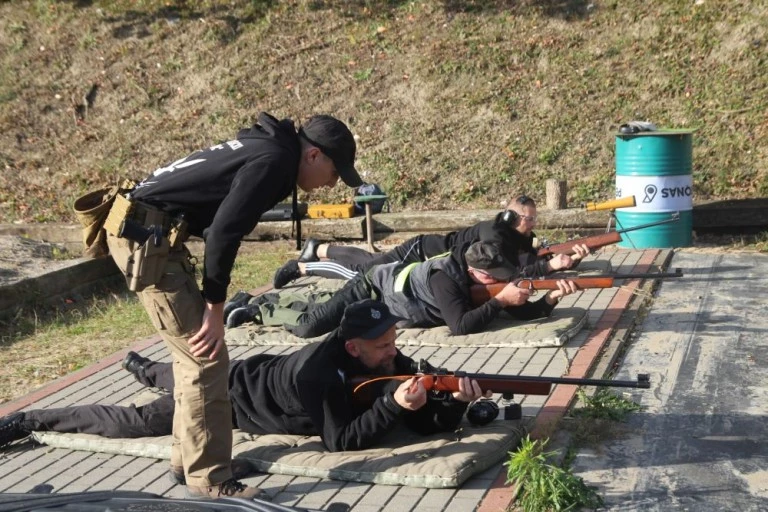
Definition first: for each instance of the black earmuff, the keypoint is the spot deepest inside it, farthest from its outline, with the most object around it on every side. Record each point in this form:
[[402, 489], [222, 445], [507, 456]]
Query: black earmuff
[[510, 217], [482, 412]]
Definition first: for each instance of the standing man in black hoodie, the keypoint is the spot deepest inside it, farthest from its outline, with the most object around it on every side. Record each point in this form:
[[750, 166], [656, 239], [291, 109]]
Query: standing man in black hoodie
[[219, 194]]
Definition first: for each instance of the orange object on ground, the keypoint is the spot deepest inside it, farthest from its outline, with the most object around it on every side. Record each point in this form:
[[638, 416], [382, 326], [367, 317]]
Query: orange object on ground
[[331, 211]]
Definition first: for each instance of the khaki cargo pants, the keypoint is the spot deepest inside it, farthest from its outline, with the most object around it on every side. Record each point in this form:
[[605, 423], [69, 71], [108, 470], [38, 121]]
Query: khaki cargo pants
[[202, 421]]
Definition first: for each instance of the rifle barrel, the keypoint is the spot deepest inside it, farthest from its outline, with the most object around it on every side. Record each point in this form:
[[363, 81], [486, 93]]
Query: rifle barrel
[[595, 241], [649, 275], [672, 218], [643, 381], [513, 384]]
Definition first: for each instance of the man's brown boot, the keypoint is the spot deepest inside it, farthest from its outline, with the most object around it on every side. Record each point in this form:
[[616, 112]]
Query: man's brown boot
[[228, 489], [241, 468]]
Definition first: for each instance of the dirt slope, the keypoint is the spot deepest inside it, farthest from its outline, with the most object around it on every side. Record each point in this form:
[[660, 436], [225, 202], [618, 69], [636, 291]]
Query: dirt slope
[[455, 104]]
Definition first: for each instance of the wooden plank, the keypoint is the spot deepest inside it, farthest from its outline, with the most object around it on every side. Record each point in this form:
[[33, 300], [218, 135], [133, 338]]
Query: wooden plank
[[706, 215]]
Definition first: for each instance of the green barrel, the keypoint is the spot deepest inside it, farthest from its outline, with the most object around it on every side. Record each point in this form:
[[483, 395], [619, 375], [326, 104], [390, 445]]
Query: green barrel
[[655, 167]]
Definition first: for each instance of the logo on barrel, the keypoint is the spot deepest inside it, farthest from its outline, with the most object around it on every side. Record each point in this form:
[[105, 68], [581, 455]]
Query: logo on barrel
[[650, 193], [657, 193], [666, 192]]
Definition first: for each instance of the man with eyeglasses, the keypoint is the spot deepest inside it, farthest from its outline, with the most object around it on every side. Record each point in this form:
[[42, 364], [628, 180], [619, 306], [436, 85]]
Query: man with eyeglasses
[[425, 294], [512, 229], [516, 236]]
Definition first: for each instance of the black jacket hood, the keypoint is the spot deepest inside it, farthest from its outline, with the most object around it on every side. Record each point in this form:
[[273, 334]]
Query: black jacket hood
[[268, 126]]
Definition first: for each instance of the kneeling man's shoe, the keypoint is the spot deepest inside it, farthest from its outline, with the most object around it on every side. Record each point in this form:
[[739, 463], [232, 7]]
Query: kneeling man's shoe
[[286, 274], [13, 428], [228, 489], [135, 364], [238, 300], [309, 252], [240, 316], [241, 468]]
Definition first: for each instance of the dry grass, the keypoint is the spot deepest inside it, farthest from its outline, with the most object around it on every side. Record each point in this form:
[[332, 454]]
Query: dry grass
[[454, 103], [40, 345]]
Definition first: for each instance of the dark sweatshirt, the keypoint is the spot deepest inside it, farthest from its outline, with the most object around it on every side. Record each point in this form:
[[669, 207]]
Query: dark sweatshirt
[[516, 247], [308, 392], [222, 191]]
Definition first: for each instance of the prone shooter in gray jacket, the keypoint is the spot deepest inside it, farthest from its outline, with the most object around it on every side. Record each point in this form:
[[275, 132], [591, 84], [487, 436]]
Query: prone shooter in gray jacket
[[427, 294]]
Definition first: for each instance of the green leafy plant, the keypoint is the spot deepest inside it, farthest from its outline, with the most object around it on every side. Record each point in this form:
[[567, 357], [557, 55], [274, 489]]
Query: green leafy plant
[[545, 486], [606, 405]]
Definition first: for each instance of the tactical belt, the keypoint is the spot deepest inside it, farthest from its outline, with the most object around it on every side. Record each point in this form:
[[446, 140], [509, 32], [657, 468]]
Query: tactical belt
[[139, 222]]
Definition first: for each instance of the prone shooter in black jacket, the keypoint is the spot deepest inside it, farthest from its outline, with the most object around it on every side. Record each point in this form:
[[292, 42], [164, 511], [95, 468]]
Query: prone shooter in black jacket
[[307, 392], [511, 230]]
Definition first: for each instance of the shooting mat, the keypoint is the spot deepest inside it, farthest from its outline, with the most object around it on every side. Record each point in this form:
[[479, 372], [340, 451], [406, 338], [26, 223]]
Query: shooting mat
[[404, 458], [554, 331]]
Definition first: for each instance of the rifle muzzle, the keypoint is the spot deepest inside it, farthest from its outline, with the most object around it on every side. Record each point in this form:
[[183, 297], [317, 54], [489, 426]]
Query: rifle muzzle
[[623, 202]]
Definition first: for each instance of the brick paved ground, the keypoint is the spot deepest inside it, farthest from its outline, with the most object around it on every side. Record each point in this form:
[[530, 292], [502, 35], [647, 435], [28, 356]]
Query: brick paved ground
[[25, 465]]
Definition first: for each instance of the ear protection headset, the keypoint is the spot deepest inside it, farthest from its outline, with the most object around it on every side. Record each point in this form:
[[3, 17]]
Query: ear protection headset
[[482, 412], [510, 217]]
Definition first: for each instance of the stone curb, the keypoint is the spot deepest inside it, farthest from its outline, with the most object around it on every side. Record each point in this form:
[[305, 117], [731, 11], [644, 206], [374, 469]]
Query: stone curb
[[81, 276]]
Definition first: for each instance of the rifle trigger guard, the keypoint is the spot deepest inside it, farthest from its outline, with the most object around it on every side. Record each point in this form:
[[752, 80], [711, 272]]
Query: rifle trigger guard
[[440, 396]]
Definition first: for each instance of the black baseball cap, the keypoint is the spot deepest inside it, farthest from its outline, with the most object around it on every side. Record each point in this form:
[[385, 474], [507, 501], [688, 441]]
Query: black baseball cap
[[487, 256], [367, 319], [334, 139]]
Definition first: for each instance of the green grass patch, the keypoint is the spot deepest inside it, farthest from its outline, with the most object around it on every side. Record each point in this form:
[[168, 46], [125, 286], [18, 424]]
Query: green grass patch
[[544, 485], [600, 417], [544, 479], [606, 405]]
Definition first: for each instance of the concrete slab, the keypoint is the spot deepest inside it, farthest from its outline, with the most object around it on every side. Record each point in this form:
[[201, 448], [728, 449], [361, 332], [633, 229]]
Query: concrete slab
[[700, 443]]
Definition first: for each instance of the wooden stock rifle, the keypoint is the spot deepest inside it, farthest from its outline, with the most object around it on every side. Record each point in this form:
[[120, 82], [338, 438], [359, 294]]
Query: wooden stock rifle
[[597, 241], [442, 383], [622, 202], [482, 293], [505, 384]]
